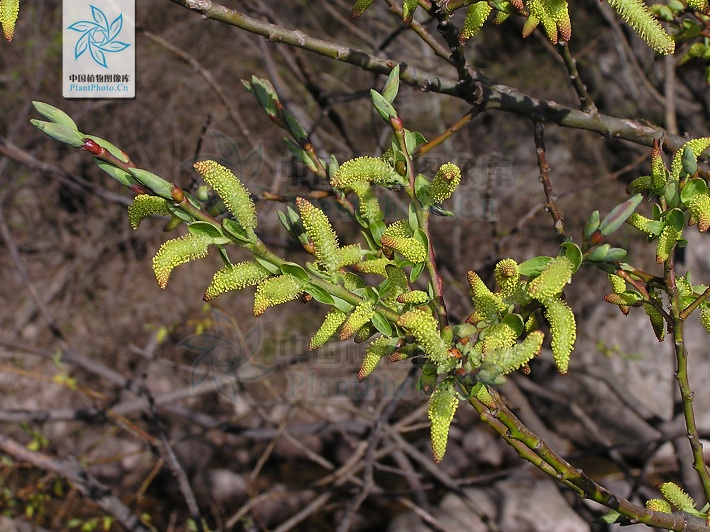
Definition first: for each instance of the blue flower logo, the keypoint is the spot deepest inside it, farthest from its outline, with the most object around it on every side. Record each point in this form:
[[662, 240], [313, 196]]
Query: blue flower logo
[[98, 36]]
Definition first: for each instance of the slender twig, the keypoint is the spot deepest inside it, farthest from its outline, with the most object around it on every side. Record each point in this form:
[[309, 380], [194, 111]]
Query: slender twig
[[425, 148], [681, 374], [544, 167], [422, 33], [311, 508], [369, 460], [579, 86], [495, 96], [539, 454], [687, 311], [168, 454]]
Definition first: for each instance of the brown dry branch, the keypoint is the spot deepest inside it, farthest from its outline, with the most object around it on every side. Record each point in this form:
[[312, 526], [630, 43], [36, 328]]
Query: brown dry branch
[[70, 471], [486, 94]]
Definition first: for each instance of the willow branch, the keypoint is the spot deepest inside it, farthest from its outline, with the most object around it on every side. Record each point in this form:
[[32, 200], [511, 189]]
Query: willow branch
[[493, 96], [538, 452]]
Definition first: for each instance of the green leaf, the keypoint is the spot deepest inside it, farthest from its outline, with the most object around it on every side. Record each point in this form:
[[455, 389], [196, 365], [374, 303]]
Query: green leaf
[[291, 268], [59, 132], [412, 140], [421, 189], [206, 229], [300, 154], [691, 189], [116, 173], [319, 294], [464, 329], [382, 106], [421, 237], [54, 114], [534, 266], [615, 254], [675, 218], [599, 254], [235, 230], [417, 270], [265, 94], [689, 161], [295, 127], [515, 322], [573, 254], [270, 267], [389, 92], [671, 194], [177, 212], [382, 324], [284, 220], [619, 215], [413, 220], [342, 305], [610, 518], [153, 182], [377, 229]]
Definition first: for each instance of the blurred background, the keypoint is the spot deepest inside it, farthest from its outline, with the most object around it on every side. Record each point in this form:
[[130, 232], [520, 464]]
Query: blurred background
[[149, 390]]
